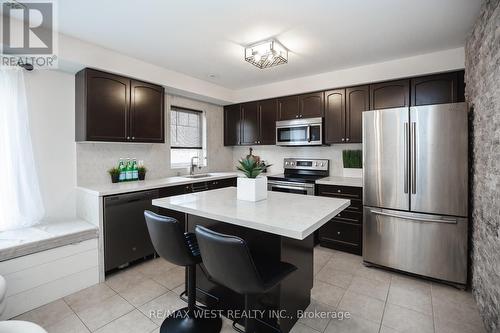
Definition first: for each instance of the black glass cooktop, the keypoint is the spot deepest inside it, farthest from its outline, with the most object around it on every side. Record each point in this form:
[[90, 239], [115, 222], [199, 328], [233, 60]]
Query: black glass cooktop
[[295, 178]]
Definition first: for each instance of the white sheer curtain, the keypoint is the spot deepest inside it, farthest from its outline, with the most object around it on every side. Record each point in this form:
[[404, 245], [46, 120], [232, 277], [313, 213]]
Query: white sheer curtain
[[20, 199]]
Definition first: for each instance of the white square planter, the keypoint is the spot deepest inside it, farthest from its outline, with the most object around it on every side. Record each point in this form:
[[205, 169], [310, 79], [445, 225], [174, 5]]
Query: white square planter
[[352, 172], [252, 189]]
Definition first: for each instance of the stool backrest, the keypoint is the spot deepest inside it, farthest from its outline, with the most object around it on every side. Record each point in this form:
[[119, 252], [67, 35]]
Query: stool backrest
[[169, 240], [228, 261]]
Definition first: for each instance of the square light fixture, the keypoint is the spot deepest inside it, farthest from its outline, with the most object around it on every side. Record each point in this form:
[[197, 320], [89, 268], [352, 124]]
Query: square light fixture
[[266, 54]]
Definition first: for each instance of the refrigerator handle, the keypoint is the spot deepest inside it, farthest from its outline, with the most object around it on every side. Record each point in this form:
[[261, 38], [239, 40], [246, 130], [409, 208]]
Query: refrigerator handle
[[406, 158], [414, 158], [406, 217]]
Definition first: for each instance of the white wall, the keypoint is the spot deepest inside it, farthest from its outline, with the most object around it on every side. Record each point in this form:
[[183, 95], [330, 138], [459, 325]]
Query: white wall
[[274, 155], [429, 63], [94, 159], [51, 99]]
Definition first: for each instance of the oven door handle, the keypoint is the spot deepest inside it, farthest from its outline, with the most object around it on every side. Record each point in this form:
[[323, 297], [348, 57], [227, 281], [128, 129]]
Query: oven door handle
[[286, 187]]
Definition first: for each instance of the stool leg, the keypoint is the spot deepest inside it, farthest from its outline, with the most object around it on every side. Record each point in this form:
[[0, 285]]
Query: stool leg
[[249, 322], [191, 287]]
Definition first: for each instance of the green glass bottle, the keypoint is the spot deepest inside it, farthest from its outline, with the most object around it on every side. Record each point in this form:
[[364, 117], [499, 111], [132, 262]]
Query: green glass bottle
[[135, 170], [121, 167], [128, 170]]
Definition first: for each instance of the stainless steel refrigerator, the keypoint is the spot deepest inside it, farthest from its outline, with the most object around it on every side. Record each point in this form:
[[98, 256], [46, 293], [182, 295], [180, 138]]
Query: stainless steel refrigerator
[[415, 185]]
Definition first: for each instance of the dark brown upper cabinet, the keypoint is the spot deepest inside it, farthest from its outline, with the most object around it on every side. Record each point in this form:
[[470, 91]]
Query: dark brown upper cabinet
[[435, 89], [357, 101], [343, 114], [147, 112], [311, 105], [288, 107], [250, 123], [268, 111], [114, 108], [335, 116], [232, 125], [391, 94]]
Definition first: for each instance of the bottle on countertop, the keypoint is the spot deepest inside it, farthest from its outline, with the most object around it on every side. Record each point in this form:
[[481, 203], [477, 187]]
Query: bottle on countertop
[[128, 170], [135, 170], [121, 167]]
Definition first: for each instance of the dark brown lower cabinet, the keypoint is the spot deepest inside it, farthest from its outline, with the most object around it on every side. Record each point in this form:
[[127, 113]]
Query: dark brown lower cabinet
[[345, 231]]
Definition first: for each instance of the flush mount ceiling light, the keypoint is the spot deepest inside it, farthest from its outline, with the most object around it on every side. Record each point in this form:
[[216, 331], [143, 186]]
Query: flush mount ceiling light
[[266, 54]]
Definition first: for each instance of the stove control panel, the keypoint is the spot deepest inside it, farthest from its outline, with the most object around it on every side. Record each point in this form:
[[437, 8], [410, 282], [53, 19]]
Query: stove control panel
[[306, 164]]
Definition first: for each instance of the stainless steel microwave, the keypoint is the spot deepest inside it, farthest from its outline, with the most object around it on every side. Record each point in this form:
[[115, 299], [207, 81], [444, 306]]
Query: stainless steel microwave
[[299, 132]]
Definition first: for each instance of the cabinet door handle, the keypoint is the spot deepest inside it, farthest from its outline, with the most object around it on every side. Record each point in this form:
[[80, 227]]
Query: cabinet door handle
[[343, 139], [296, 116], [133, 138], [347, 139], [338, 233], [128, 137]]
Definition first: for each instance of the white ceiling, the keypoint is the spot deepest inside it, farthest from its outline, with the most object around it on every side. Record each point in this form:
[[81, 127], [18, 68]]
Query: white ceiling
[[203, 37]]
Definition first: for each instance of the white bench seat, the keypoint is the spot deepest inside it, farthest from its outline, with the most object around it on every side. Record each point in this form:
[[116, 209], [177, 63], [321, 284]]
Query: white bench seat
[[25, 241], [46, 262]]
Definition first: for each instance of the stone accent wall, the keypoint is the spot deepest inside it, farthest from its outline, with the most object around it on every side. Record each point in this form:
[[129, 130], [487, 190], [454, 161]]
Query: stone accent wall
[[482, 76]]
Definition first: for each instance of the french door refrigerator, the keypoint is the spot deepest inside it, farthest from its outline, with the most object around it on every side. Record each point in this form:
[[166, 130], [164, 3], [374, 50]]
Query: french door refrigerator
[[415, 184]]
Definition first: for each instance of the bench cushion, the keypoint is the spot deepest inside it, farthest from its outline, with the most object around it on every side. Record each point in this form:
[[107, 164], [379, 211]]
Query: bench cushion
[[25, 241]]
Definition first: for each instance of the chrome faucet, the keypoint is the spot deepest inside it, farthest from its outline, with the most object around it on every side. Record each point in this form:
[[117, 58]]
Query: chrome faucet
[[191, 168]]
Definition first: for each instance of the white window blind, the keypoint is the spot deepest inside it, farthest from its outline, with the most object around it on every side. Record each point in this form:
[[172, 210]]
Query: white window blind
[[186, 128], [186, 137]]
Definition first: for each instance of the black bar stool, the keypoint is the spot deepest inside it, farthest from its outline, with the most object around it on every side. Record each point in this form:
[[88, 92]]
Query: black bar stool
[[228, 261], [180, 248]]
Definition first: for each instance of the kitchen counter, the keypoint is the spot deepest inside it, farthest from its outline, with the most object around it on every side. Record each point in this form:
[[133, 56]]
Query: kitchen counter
[[290, 215], [341, 181], [149, 184]]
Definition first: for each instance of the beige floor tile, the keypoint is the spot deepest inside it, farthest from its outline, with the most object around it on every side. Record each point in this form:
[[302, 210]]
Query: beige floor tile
[[71, 324], [360, 305], [347, 263], [301, 328], [326, 293], [98, 315], [142, 292], [443, 325], [406, 320], [385, 329], [89, 297], [159, 308], [318, 323], [440, 291], [157, 330], [370, 287], [170, 279], [47, 315], [180, 289], [132, 322], [153, 267], [373, 273], [331, 275], [445, 308], [124, 279], [321, 257], [417, 299], [352, 325]]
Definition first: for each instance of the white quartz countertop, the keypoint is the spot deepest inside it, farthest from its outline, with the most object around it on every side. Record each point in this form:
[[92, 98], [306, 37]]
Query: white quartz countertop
[[149, 184], [290, 215], [341, 181]]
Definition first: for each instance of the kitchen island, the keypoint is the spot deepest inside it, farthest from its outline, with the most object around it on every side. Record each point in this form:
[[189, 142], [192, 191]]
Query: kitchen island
[[280, 228]]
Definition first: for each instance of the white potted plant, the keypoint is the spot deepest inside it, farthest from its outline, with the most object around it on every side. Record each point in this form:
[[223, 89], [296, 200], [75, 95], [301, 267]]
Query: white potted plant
[[353, 163], [251, 186]]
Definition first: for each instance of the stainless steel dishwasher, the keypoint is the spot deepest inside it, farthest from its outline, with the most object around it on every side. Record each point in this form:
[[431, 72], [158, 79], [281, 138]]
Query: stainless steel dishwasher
[[126, 237]]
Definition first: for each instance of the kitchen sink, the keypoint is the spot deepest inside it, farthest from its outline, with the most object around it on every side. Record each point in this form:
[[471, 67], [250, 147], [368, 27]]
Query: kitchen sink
[[200, 175]]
